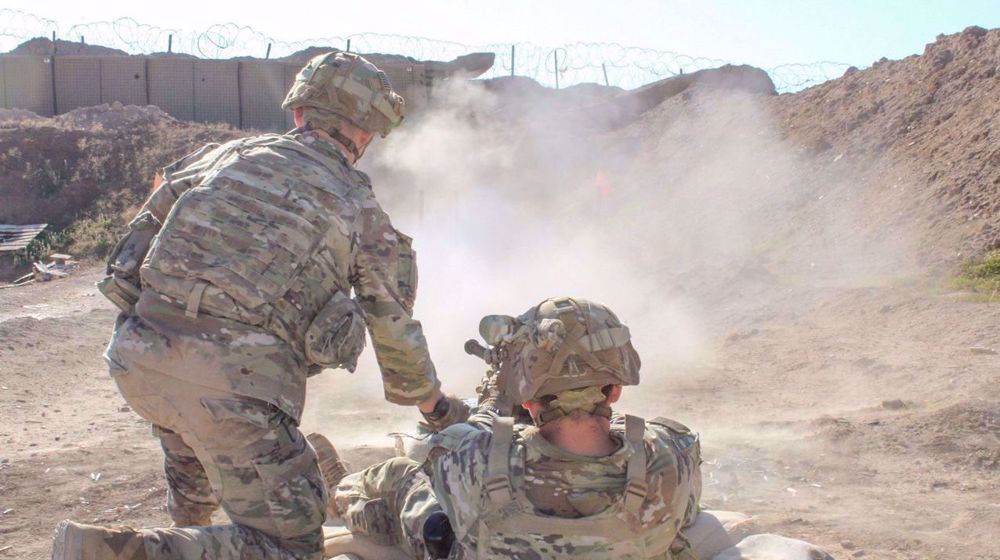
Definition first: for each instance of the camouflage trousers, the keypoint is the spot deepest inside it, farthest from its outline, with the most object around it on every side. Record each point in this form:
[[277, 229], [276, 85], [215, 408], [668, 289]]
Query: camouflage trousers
[[388, 503], [222, 450]]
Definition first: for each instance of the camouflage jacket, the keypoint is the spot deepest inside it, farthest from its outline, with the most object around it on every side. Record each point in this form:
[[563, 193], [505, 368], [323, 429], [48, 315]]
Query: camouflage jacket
[[553, 484], [273, 233]]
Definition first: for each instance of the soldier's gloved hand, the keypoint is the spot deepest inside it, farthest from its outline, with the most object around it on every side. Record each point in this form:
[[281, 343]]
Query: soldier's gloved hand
[[448, 410]]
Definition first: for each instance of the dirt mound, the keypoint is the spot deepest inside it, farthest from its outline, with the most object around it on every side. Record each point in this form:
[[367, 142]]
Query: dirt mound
[[471, 65], [612, 107], [89, 169], [962, 435], [113, 115], [928, 126], [12, 116], [43, 46]]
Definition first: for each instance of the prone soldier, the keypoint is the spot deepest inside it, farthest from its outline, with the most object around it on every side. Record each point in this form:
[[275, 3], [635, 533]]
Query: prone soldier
[[576, 482]]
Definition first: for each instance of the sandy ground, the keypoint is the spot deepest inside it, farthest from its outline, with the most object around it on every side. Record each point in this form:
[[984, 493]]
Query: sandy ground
[[867, 421]]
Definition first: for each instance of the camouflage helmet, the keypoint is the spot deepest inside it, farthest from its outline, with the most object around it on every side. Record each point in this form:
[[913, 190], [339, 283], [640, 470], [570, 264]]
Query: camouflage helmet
[[561, 344], [340, 86]]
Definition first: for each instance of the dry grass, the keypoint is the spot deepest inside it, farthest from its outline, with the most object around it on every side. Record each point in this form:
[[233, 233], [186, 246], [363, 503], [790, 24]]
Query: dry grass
[[87, 181]]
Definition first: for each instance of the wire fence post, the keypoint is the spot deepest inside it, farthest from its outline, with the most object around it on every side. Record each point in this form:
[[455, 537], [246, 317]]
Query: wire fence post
[[348, 45], [512, 61], [170, 43], [555, 64], [605, 68], [267, 55]]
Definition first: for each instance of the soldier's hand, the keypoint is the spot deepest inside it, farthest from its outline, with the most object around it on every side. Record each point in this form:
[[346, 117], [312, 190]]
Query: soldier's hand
[[428, 405], [447, 411]]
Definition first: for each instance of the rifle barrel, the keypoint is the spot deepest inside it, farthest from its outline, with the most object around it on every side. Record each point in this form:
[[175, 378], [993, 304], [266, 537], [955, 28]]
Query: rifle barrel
[[473, 348]]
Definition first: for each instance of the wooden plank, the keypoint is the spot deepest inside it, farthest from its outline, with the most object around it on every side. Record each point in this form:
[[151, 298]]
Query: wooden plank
[[26, 227], [17, 237]]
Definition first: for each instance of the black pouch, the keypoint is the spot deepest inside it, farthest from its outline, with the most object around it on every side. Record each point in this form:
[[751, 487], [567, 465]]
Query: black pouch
[[336, 336], [122, 284]]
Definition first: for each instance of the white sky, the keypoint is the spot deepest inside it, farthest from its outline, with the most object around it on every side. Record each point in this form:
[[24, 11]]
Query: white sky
[[759, 32]]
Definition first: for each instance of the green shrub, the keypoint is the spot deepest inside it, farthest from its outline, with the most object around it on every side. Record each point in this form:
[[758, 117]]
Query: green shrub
[[982, 276], [40, 247]]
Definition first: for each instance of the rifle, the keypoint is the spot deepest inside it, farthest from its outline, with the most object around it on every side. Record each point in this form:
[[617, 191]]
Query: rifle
[[493, 385]]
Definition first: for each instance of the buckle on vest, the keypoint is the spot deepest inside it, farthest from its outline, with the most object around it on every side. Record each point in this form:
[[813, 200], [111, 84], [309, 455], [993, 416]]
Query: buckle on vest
[[635, 495], [499, 490]]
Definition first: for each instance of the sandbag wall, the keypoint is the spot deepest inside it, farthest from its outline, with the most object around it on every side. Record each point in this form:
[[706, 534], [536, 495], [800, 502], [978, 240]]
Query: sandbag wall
[[242, 93]]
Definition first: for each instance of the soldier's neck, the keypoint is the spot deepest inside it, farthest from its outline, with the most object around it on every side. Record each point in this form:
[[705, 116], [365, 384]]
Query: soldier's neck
[[322, 135], [590, 437]]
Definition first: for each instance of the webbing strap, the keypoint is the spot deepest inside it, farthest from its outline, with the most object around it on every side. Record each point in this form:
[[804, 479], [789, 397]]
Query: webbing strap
[[605, 339], [635, 473], [498, 491], [576, 342], [498, 487], [560, 358], [194, 299], [376, 99]]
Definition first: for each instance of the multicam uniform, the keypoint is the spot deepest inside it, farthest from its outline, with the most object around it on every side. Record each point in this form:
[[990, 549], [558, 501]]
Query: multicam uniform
[[509, 493], [245, 293]]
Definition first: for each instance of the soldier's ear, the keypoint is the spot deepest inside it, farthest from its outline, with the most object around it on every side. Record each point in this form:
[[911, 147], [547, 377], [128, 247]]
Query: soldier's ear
[[534, 408], [614, 393]]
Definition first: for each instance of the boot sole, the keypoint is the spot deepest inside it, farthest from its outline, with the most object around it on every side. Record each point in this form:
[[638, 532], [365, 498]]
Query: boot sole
[[331, 468]]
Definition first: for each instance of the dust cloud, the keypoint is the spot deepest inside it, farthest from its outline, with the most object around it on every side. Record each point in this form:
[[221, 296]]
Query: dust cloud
[[687, 221]]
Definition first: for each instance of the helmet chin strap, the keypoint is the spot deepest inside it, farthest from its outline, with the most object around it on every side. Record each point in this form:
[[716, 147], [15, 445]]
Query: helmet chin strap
[[347, 143], [344, 141]]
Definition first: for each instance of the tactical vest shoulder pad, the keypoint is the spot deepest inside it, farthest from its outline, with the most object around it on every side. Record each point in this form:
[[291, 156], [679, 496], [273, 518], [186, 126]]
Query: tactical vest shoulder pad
[[363, 178], [673, 425], [451, 437]]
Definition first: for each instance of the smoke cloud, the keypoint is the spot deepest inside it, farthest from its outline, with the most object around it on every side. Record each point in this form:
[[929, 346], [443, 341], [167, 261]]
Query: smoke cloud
[[687, 221]]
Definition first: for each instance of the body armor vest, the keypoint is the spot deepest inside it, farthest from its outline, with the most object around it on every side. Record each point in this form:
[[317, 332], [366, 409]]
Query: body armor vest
[[509, 528], [266, 237]]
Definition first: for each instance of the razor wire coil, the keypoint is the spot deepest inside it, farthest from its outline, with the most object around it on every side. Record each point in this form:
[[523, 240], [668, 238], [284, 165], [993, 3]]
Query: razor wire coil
[[626, 67]]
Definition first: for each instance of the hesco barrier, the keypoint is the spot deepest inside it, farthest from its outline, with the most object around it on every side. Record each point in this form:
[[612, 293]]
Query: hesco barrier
[[245, 94]]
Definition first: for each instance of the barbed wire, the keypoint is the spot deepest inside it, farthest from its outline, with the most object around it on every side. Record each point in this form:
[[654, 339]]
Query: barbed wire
[[604, 63]]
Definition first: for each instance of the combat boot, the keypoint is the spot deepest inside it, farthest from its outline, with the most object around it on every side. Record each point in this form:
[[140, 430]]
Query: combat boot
[[193, 521], [331, 466], [75, 541]]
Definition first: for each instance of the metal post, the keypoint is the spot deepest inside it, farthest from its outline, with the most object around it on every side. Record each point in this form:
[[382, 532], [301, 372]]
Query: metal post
[[52, 70], [81, 39], [555, 59], [54, 47], [170, 43], [605, 68], [348, 45], [512, 61], [239, 90], [145, 70], [267, 55], [5, 99]]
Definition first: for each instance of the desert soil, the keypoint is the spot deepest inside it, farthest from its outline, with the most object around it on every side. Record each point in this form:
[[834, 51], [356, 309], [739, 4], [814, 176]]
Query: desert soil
[[866, 422]]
